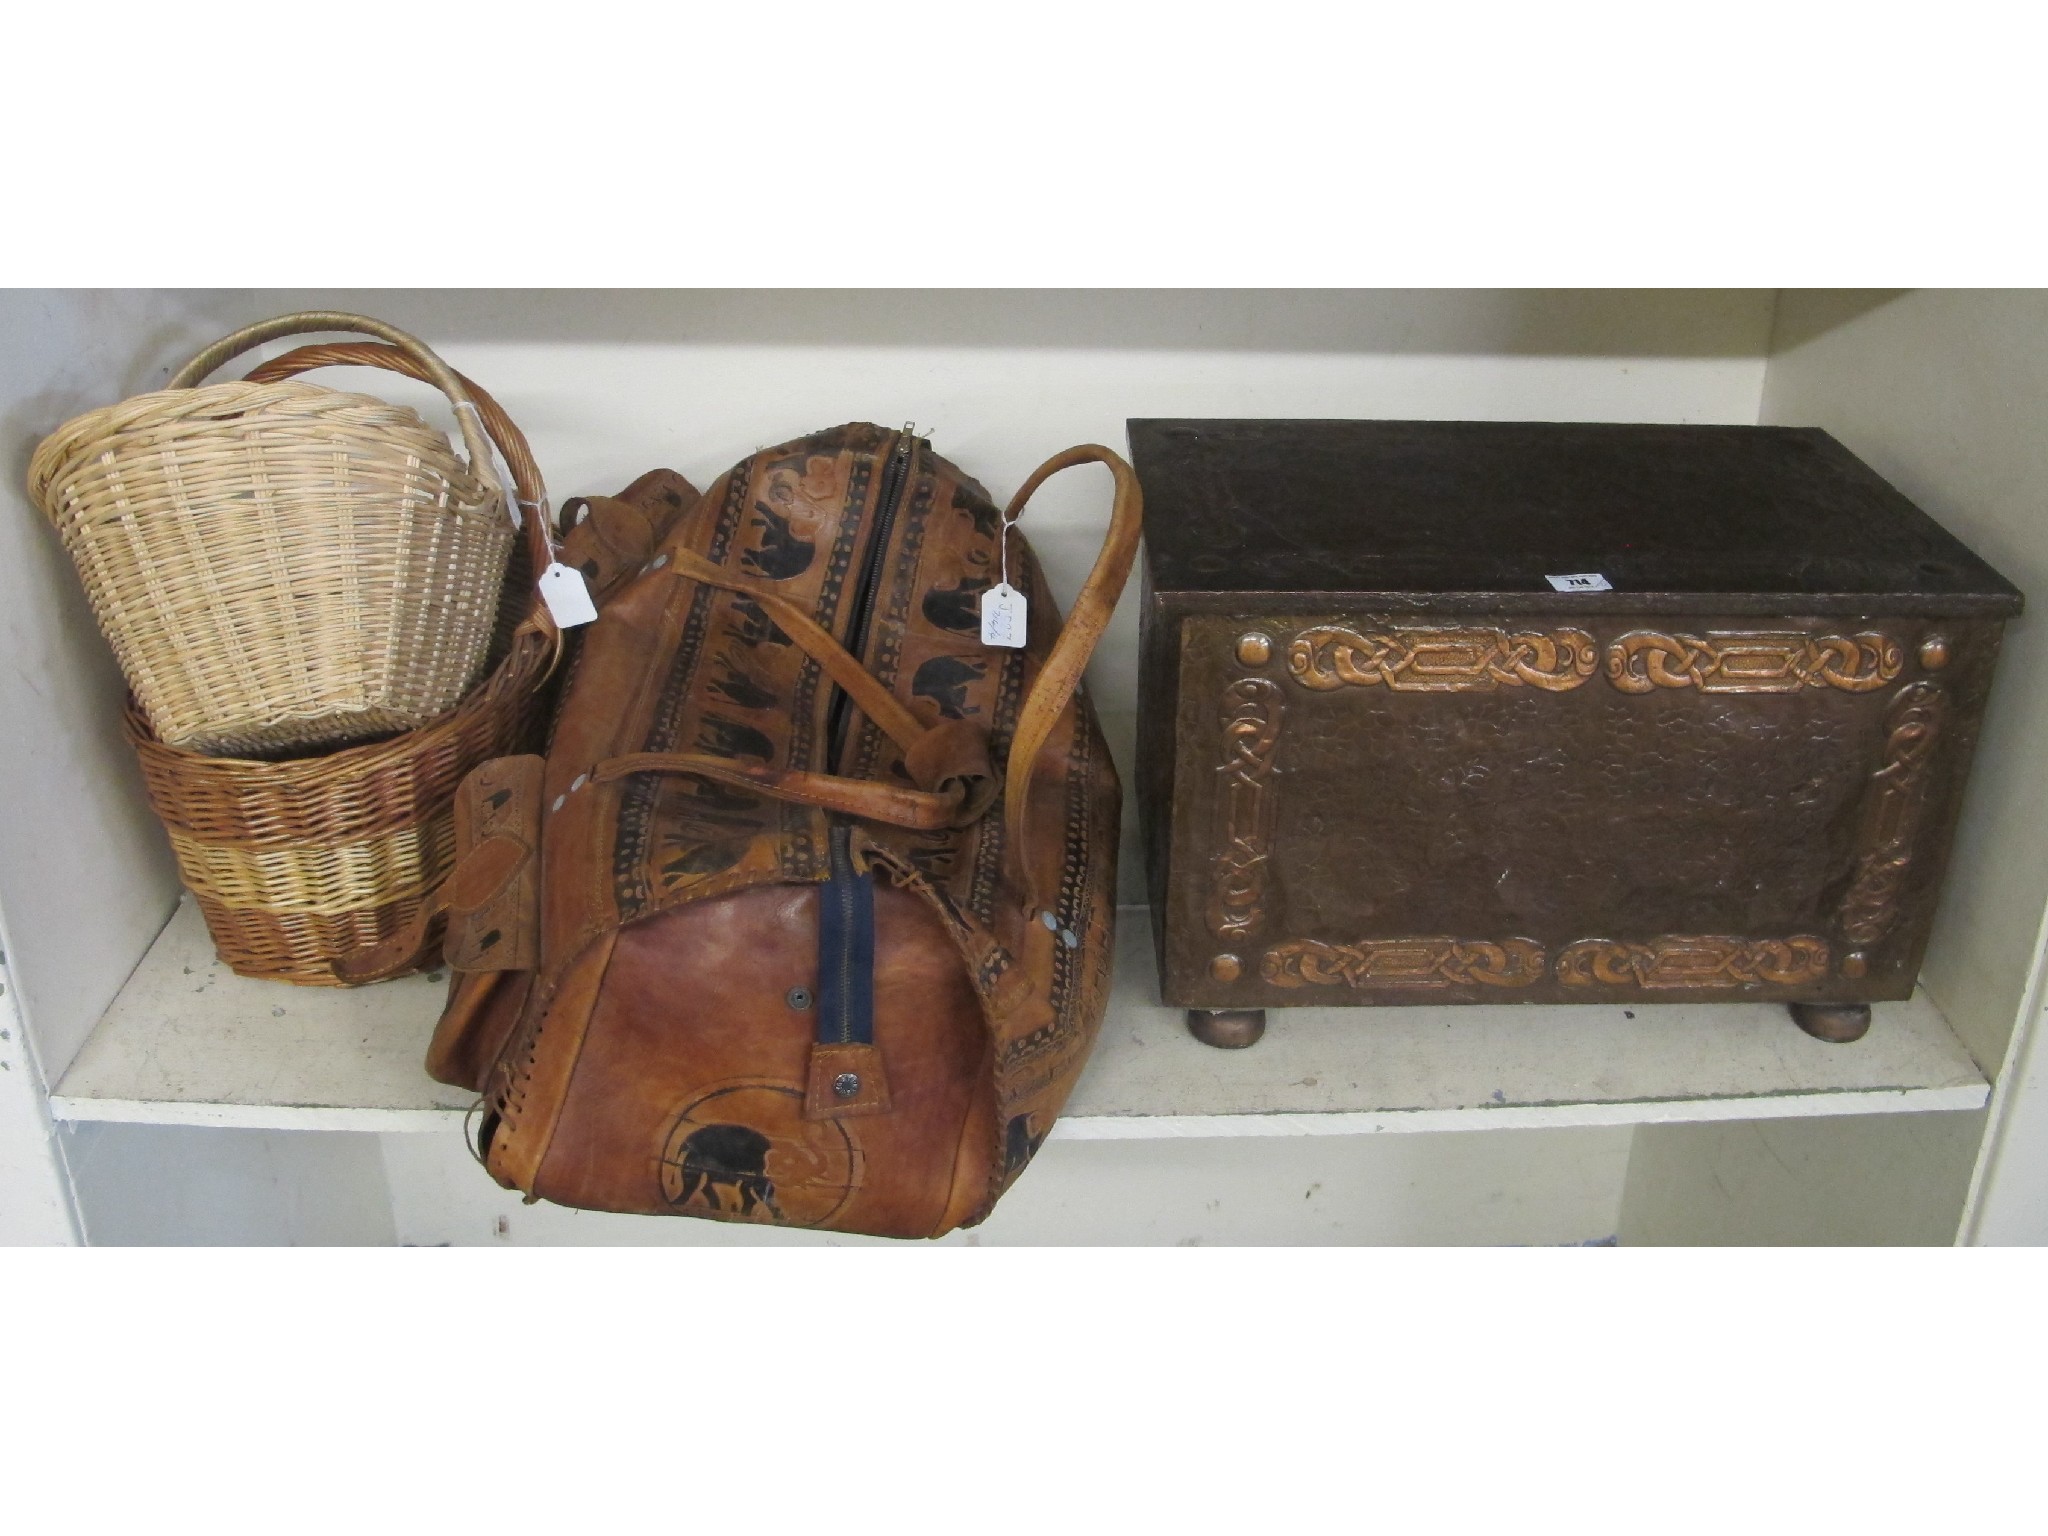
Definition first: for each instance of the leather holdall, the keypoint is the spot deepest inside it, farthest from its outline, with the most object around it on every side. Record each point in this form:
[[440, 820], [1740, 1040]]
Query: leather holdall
[[806, 917]]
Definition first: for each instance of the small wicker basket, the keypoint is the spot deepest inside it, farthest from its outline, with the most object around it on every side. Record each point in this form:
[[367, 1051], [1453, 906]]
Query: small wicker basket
[[280, 565], [297, 862]]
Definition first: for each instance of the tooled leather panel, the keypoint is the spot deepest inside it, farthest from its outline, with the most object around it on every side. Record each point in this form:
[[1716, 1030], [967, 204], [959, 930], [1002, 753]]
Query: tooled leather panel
[[925, 644], [494, 913], [616, 853], [525, 1088], [1042, 1031], [793, 518], [667, 500], [1042, 1039], [690, 1100], [608, 555], [673, 666]]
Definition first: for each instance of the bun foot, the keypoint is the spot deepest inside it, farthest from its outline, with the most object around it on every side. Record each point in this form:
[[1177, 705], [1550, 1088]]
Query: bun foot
[[1836, 1023], [1228, 1029]]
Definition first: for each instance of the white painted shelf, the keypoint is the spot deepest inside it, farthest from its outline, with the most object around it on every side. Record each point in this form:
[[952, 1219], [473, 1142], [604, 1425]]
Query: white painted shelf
[[187, 1042]]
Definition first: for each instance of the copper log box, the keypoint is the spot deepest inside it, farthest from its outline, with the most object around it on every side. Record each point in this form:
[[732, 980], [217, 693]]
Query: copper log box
[[1477, 712]]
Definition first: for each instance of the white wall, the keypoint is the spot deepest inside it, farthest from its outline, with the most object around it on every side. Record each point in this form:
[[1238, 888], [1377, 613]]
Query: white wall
[[1942, 393], [152, 1185], [85, 874], [1855, 1180], [1520, 1187], [35, 1196]]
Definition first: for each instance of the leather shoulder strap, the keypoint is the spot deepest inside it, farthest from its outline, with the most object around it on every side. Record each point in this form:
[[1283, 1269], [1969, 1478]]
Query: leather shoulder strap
[[1086, 621]]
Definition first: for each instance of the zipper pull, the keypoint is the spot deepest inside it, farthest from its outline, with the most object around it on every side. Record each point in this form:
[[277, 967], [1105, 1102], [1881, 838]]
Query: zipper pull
[[907, 443]]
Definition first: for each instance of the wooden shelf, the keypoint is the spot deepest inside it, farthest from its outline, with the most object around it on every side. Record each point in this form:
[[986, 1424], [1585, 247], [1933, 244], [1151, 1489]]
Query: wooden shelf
[[187, 1042]]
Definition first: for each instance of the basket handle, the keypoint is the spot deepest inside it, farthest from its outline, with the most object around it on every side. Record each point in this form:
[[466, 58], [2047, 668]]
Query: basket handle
[[439, 374], [526, 481]]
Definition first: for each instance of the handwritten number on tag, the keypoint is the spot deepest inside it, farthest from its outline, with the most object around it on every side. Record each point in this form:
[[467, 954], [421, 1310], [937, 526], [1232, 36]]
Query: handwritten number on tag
[[1002, 616]]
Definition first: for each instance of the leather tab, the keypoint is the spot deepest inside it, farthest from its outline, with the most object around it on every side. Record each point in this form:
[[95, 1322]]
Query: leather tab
[[613, 542], [952, 759], [845, 1081], [394, 956], [493, 894]]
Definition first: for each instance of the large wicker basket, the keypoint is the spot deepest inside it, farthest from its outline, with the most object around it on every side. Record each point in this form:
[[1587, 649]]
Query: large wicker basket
[[297, 862], [277, 564]]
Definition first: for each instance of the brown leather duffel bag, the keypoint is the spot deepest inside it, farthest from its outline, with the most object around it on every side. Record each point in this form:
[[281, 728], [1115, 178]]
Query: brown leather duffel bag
[[807, 915]]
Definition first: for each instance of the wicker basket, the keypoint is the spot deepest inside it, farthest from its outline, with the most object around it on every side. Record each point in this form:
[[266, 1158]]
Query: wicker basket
[[279, 565], [295, 863]]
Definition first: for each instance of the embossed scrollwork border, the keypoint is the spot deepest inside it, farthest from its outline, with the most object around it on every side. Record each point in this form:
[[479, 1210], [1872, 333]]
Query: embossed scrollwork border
[[1752, 661], [1895, 803], [1441, 659], [1246, 801], [1485, 658], [1677, 962]]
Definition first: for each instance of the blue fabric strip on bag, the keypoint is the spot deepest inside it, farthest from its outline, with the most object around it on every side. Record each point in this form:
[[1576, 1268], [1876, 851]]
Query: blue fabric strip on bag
[[846, 952]]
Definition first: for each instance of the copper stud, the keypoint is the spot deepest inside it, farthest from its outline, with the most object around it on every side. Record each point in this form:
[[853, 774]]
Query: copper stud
[[1254, 649], [1855, 963], [1934, 652], [1226, 967]]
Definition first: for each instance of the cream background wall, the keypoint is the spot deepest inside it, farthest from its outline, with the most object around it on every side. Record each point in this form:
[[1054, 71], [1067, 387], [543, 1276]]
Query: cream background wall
[[1942, 392], [1518, 1187], [85, 874]]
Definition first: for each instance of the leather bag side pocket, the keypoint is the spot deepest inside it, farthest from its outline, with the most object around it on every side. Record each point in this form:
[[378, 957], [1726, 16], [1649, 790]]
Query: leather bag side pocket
[[494, 893], [482, 1009]]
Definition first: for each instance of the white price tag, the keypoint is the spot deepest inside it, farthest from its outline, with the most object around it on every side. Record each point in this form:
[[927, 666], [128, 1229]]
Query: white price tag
[[1587, 581], [1002, 616], [568, 599]]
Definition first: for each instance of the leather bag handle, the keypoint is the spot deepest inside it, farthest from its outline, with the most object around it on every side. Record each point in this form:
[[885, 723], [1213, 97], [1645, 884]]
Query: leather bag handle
[[940, 758], [840, 664], [948, 762], [1086, 621]]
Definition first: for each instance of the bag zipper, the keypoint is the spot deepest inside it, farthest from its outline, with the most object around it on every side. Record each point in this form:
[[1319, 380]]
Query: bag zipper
[[846, 949], [896, 477], [846, 904]]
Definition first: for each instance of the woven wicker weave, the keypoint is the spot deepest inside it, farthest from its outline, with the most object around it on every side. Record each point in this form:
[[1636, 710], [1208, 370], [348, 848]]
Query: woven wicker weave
[[281, 565], [296, 862]]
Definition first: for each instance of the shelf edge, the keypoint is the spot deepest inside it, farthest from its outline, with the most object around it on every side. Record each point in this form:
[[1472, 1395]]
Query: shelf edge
[[1507, 1117], [74, 1109], [1958, 1096]]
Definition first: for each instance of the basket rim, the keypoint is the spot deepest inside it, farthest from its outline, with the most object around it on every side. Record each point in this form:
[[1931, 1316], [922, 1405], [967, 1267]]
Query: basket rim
[[525, 655], [90, 435]]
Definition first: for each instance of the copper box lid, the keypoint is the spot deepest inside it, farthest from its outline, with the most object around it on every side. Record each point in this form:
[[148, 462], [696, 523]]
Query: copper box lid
[[1674, 518]]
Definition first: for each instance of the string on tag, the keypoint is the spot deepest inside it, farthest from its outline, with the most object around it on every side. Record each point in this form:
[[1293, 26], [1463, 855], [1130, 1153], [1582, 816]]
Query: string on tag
[[515, 500], [541, 510], [1002, 605]]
